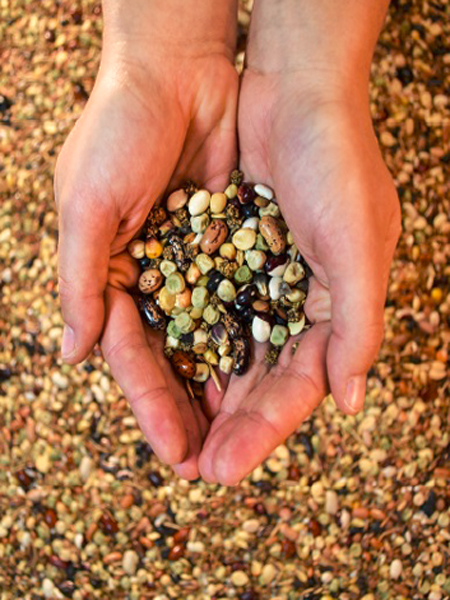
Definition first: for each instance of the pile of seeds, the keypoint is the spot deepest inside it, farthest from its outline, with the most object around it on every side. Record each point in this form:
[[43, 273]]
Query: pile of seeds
[[218, 269]]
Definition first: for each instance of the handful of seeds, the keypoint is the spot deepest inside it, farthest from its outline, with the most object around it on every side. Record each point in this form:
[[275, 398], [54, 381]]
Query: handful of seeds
[[216, 270]]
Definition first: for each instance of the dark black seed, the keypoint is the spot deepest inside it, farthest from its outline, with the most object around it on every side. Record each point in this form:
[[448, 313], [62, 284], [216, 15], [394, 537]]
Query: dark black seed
[[250, 210], [249, 595], [155, 478], [279, 319], [241, 355], [273, 262], [187, 338], [429, 506], [5, 103], [67, 588], [246, 193], [247, 296], [77, 16], [405, 75], [304, 439], [154, 316], [79, 93], [5, 373], [215, 277], [145, 263], [247, 314]]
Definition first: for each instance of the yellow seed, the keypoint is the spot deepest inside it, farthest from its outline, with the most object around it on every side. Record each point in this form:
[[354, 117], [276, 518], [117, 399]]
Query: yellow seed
[[183, 300], [166, 300], [227, 251], [153, 249], [436, 295]]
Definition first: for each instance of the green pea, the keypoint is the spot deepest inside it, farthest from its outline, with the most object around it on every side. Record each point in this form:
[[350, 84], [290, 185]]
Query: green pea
[[243, 275], [167, 267], [279, 335], [211, 315], [175, 283], [173, 330], [204, 262], [184, 322], [199, 297], [261, 243]]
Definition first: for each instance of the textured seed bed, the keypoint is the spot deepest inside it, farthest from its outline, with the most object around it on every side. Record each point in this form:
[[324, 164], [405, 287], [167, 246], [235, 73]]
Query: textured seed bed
[[217, 270], [349, 507]]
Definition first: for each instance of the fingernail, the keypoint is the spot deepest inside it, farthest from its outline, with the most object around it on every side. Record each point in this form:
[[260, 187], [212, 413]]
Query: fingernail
[[68, 342], [355, 393]]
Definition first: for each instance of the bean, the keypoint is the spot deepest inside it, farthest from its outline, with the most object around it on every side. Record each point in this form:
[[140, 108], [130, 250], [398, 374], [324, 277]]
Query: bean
[[214, 236], [150, 281], [152, 313], [199, 202], [271, 231], [184, 364], [176, 200], [241, 355]]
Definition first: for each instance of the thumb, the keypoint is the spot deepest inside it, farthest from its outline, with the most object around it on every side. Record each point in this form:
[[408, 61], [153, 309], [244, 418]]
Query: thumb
[[357, 289], [87, 227]]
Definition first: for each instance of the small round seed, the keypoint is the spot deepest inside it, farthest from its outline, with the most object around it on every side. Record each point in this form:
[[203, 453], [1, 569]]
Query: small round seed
[[294, 273], [184, 322], [218, 202], [199, 202], [167, 267], [184, 364], [226, 291], [136, 249], [200, 297], [172, 342], [244, 239], [231, 191], [279, 335], [173, 331], [196, 313], [211, 315], [150, 281], [204, 262], [175, 283], [199, 224], [227, 251], [245, 193], [260, 330], [243, 275], [256, 259], [183, 300], [247, 295], [215, 277], [296, 295], [261, 243], [153, 248], [176, 200], [261, 306]]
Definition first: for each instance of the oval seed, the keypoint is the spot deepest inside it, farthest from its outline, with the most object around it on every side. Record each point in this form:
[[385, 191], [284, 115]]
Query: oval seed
[[241, 355], [201, 372], [211, 315], [227, 251], [264, 191], [167, 267], [279, 335], [226, 291], [199, 202], [184, 322], [271, 231], [193, 274], [256, 259], [176, 200], [200, 297], [244, 239], [166, 300], [136, 249], [218, 202], [175, 283], [296, 327], [275, 292], [150, 281], [243, 275], [231, 191], [261, 330], [183, 300], [205, 263], [153, 248], [214, 236], [251, 223], [199, 223], [276, 265], [184, 364], [294, 273], [153, 315], [226, 364]]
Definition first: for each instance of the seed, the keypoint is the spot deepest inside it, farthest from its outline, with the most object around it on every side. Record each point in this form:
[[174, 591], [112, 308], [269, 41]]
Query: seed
[[294, 273], [261, 243], [211, 315], [260, 202], [218, 202], [396, 569], [201, 372], [130, 562], [184, 364], [270, 229], [296, 327], [276, 265], [247, 295], [264, 191], [200, 297], [261, 330], [153, 248], [153, 315], [249, 210], [50, 517], [150, 281], [211, 357], [219, 334], [244, 239], [261, 281], [226, 364], [243, 275], [172, 342], [226, 291], [279, 335], [215, 277], [193, 274], [205, 263], [199, 202], [241, 355], [256, 259], [166, 300], [271, 210], [214, 236], [184, 322], [231, 191], [183, 300], [177, 200], [199, 223], [175, 283], [179, 251], [227, 251], [167, 267], [108, 524], [196, 313], [136, 248], [176, 552], [245, 193], [275, 288], [260, 306], [224, 349], [295, 295], [251, 223]]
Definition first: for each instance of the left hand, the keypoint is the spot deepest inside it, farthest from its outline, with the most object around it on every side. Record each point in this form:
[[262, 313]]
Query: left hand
[[317, 149]]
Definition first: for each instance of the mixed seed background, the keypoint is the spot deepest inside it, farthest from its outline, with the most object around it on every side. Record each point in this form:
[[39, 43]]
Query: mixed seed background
[[351, 507]]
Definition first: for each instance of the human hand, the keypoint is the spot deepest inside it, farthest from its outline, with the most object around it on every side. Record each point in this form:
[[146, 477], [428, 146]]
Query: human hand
[[314, 144], [158, 115]]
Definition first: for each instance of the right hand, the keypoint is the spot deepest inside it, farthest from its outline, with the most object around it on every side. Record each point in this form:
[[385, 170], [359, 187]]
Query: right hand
[[144, 130]]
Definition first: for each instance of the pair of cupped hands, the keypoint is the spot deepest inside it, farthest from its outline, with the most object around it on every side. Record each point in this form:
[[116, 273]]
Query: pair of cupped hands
[[150, 125]]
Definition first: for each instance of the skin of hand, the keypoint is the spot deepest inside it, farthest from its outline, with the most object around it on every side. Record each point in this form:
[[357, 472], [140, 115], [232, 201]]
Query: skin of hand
[[307, 132], [149, 125]]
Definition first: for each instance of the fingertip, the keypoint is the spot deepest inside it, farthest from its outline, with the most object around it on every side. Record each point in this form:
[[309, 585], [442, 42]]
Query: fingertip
[[352, 402]]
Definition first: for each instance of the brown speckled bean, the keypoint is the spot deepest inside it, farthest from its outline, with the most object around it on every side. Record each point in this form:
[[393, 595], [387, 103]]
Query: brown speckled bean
[[150, 281], [214, 236], [273, 234]]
